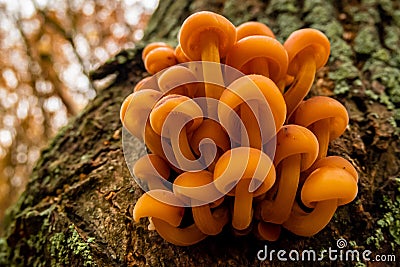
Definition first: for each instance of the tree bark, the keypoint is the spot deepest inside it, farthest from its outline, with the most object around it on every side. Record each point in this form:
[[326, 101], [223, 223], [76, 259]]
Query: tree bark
[[77, 207]]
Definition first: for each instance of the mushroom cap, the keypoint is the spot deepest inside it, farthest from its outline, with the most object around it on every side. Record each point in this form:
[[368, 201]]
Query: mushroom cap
[[244, 163], [253, 28], [177, 106], [149, 82], [248, 88], [316, 43], [180, 56], [149, 166], [177, 76], [320, 108], [199, 23], [213, 130], [197, 186], [328, 183], [159, 58], [149, 206], [135, 110], [295, 139], [335, 161], [153, 46], [258, 46]]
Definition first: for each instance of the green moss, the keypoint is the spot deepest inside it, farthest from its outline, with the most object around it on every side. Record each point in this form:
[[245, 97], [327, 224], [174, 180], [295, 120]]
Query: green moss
[[345, 70], [366, 41], [340, 50], [286, 24], [392, 37], [319, 15], [389, 223], [388, 76], [396, 17], [61, 245], [282, 6]]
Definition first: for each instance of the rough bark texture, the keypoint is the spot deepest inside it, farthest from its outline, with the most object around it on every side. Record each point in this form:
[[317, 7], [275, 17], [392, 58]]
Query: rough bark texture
[[76, 210]]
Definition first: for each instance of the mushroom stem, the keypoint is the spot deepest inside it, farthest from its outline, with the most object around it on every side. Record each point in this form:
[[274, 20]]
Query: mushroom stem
[[210, 223], [312, 223], [242, 209], [321, 130], [181, 148], [251, 130], [259, 66], [268, 231], [279, 209], [302, 83], [212, 72], [178, 236], [153, 141]]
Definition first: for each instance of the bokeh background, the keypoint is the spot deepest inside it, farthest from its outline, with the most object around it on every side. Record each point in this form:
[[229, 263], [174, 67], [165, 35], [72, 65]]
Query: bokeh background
[[47, 49]]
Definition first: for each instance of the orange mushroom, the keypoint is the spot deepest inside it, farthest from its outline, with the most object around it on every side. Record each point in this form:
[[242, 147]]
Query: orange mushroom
[[151, 170], [207, 36], [211, 130], [308, 51], [180, 56], [296, 151], [159, 58], [259, 55], [332, 184], [326, 117], [263, 96], [166, 218], [245, 173], [199, 189], [174, 117], [178, 80], [267, 231], [253, 28], [146, 83], [153, 46], [135, 112]]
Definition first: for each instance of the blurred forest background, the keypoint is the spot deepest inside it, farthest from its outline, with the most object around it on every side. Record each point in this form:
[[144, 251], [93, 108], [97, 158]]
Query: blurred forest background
[[48, 49]]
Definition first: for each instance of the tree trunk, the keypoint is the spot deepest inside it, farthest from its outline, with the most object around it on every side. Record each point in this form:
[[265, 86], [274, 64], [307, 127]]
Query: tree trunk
[[77, 207]]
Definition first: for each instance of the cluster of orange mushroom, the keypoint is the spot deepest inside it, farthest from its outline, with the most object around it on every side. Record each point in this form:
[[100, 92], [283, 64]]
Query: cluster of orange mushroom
[[192, 190]]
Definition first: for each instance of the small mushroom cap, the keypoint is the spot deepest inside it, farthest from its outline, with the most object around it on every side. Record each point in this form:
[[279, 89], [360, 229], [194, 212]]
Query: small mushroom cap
[[177, 76], [244, 163], [295, 139], [198, 186], [153, 46], [148, 206], [135, 110], [159, 58], [180, 56], [252, 47], [213, 130], [149, 82], [177, 106], [199, 23], [316, 43], [248, 88], [320, 108], [328, 183], [335, 161], [151, 165], [253, 28]]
